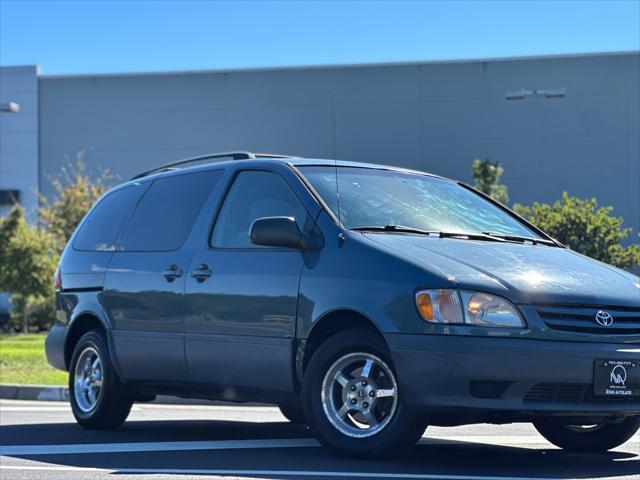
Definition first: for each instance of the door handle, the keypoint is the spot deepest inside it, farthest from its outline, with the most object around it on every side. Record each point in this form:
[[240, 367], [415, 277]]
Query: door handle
[[201, 273], [172, 273]]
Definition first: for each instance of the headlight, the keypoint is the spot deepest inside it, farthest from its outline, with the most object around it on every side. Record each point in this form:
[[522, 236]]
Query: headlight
[[490, 310], [467, 308]]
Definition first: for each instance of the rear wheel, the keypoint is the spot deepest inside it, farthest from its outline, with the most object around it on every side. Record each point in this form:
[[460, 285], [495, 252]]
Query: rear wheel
[[98, 399], [588, 438], [293, 414], [352, 399]]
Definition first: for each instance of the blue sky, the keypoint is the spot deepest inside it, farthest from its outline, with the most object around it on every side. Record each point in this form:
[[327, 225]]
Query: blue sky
[[127, 36]]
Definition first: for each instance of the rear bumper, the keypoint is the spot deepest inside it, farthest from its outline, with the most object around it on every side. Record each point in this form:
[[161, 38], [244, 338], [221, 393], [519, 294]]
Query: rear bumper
[[505, 378], [54, 346]]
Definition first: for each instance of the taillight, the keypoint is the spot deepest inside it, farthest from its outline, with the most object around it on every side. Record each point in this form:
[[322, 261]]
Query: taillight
[[57, 279]]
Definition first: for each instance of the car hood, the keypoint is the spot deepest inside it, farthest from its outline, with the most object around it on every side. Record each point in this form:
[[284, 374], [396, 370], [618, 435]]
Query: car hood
[[525, 273]]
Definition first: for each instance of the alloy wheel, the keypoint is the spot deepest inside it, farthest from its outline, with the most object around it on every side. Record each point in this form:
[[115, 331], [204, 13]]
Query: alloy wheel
[[359, 395], [88, 378]]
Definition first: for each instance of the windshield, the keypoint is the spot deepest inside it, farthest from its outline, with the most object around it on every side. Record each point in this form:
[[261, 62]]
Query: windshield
[[374, 197]]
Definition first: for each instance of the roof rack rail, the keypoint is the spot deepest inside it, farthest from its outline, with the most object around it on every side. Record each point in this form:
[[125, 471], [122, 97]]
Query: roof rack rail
[[232, 155]]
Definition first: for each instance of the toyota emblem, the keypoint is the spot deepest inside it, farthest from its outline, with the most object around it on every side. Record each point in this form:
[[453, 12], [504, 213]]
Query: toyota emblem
[[604, 318]]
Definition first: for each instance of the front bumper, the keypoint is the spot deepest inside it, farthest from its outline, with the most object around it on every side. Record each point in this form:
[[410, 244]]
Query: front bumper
[[505, 378]]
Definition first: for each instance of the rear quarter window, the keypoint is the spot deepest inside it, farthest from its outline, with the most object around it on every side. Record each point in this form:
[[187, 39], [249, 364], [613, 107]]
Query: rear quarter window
[[100, 230]]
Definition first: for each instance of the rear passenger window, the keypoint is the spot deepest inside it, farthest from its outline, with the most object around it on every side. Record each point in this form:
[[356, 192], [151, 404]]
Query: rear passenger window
[[99, 232], [164, 217], [254, 194]]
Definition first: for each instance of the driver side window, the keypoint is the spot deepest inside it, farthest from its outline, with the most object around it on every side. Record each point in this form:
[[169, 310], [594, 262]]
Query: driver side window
[[254, 194]]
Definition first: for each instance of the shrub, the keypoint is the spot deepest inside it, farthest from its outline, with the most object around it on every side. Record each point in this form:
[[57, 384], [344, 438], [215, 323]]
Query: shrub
[[487, 179], [75, 194], [29, 253], [585, 227], [28, 256]]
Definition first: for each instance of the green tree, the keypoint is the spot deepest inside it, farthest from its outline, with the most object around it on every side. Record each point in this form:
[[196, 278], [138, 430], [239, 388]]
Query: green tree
[[28, 258], [585, 227], [75, 194], [487, 179], [29, 254]]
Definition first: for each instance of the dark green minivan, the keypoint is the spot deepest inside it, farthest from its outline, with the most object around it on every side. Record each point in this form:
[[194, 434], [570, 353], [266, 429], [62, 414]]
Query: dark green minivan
[[366, 301]]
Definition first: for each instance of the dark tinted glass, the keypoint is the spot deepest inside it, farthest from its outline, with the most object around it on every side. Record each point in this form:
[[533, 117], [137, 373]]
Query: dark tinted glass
[[100, 230], [166, 213], [254, 195]]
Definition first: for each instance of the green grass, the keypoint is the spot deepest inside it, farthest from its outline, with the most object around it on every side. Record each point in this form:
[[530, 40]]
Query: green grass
[[22, 360]]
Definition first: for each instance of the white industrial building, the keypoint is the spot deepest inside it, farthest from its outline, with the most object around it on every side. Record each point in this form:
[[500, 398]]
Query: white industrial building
[[555, 123]]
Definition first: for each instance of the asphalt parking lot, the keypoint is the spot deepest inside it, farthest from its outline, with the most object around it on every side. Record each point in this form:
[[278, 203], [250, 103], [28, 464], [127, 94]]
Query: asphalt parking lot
[[41, 440]]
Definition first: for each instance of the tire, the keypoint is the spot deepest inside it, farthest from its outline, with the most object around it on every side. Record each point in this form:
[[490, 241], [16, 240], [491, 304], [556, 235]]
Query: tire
[[111, 402], [394, 426], [293, 414], [595, 439]]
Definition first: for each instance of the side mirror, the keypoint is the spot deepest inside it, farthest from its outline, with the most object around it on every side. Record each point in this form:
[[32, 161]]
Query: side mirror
[[278, 232]]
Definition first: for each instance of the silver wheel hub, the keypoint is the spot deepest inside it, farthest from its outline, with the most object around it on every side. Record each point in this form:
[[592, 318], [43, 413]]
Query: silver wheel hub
[[87, 380], [359, 395]]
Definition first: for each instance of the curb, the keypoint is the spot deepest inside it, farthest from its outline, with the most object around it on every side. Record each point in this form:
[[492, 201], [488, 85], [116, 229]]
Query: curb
[[34, 392], [59, 393]]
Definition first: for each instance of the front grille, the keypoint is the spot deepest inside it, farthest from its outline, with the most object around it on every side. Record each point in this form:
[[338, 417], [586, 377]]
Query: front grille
[[554, 392], [582, 319], [570, 393]]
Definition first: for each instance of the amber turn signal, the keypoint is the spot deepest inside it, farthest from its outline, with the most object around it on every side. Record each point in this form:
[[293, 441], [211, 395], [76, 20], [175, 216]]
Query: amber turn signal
[[425, 306]]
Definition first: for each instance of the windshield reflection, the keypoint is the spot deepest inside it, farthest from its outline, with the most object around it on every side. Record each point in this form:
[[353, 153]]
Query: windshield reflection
[[377, 197]]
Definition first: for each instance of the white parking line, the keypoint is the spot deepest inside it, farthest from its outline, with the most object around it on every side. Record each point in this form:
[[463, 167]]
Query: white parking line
[[34, 410], [154, 446], [274, 473], [508, 440], [82, 448], [39, 405]]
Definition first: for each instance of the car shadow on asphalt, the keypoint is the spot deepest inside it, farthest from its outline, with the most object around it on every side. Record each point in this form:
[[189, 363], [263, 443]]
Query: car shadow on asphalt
[[451, 458]]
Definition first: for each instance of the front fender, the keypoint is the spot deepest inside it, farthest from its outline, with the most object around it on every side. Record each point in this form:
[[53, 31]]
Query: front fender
[[358, 275]]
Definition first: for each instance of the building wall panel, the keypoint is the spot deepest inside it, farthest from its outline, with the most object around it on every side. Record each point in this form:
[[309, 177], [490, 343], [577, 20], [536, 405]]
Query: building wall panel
[[437, 117]]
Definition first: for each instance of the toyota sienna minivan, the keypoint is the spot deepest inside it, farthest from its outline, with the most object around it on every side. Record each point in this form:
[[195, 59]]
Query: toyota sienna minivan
[[365, 301]]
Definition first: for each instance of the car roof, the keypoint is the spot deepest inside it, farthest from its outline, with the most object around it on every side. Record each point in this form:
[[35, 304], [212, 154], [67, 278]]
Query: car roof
[[265, 161]]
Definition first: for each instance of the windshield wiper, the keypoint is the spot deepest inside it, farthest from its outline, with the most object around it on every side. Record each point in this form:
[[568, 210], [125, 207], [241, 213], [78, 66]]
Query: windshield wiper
[[485, 236], [434, 233], [391, 228], [470, 236], [523, 239]]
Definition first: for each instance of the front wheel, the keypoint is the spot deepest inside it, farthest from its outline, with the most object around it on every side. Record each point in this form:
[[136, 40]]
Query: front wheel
[[352, 399], [98, 399], [596, 438]]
